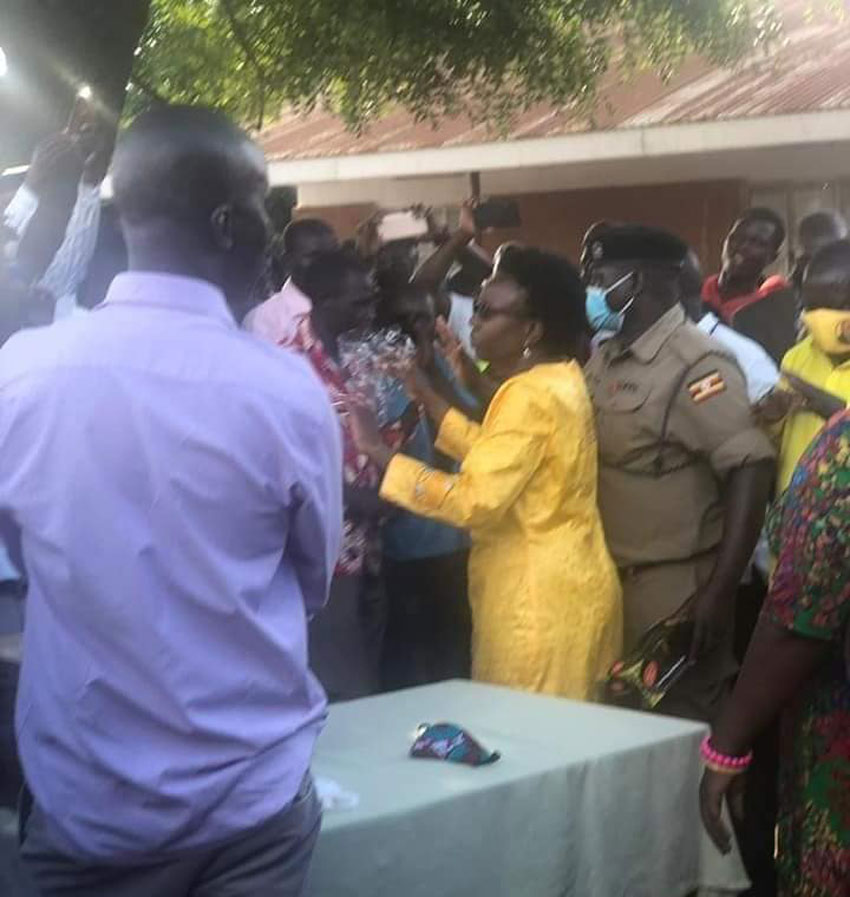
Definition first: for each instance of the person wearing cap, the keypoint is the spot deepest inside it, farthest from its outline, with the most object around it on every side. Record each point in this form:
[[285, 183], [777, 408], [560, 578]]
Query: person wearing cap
[[685, 473]]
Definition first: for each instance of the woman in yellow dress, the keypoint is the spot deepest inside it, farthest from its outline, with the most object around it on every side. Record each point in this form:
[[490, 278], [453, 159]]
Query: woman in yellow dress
[[544, 592]]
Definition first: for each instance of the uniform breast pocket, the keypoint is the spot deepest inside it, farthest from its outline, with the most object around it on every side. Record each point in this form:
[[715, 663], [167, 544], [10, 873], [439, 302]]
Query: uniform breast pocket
[[624, 421]]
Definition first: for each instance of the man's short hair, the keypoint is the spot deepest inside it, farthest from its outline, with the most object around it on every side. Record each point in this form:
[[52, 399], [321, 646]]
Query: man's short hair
[[824, 226], [322, 277], [177, 162], [762, 213], [302, 234], [832, 260]]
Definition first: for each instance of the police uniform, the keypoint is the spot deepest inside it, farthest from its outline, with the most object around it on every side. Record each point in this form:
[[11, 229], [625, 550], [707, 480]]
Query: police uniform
[[673, 421]]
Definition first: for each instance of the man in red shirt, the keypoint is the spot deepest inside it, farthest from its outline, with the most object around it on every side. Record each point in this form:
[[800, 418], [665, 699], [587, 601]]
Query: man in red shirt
[[752, 246]]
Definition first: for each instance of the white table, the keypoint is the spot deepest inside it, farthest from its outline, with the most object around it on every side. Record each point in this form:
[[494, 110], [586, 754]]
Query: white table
[[586, 801]]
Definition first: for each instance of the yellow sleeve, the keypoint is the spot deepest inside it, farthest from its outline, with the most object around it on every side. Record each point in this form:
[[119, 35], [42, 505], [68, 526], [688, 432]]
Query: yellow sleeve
[[499, 463], [457, 434]]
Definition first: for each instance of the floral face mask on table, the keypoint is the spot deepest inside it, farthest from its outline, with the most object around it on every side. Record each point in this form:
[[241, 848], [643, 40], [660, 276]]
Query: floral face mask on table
[[446, 741]]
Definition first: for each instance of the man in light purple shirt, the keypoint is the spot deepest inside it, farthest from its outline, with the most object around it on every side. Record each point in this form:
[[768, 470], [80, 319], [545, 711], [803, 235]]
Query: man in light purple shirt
[[172, 488]]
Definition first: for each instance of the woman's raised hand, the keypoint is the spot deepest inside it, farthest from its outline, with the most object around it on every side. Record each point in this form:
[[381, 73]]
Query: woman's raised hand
[[463, 367]]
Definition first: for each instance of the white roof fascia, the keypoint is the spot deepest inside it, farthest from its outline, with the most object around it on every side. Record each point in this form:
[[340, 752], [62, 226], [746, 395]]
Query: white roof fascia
[[655, 141]]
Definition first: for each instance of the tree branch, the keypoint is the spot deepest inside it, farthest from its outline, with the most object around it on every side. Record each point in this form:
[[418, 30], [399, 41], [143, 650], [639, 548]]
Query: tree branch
[[245, 43], [147, 89]]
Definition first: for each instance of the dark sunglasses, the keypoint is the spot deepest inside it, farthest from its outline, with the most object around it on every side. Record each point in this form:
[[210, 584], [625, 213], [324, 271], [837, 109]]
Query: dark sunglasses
[[484, 312]]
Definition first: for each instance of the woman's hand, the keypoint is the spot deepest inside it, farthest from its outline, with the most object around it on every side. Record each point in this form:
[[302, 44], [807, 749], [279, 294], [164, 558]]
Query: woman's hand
[[367, 434], [451, 348], [419, 387], [712, 615], [416, 384], [412, 375], [713, 788], [464, 368]]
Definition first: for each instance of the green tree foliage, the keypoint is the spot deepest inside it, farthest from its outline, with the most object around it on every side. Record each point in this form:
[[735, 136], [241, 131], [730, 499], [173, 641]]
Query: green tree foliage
[[490, 58]]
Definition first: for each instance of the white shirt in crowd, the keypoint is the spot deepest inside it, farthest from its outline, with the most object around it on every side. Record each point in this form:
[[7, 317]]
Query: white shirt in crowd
[[762, 375], [71, 262], [759, 368], [460, 320]]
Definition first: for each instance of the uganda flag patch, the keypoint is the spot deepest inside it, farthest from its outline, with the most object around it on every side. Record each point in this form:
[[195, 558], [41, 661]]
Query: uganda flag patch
[[706, 387]]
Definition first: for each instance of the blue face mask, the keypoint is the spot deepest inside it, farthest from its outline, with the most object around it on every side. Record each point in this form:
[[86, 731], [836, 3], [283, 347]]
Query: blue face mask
[[600, 315]]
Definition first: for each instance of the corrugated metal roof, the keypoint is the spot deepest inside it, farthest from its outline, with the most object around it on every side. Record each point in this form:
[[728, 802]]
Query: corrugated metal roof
[[810, 72]]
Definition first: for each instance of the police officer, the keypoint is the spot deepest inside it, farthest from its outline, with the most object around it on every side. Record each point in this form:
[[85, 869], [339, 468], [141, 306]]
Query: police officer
[[685, 474]]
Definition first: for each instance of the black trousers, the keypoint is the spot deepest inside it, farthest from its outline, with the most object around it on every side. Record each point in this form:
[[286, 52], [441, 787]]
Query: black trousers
[[271, 860], [429, 624], [347, 637], [11, 778]]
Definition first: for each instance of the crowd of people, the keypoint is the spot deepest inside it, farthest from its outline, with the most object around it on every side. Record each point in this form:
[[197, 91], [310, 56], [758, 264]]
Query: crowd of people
[[210, 526]]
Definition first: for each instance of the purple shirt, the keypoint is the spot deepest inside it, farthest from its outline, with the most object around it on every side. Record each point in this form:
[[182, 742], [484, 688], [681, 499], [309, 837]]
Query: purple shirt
[[173, 488]]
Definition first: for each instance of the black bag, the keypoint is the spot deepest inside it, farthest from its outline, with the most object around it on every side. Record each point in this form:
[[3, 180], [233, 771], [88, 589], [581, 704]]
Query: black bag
[[644, 676]]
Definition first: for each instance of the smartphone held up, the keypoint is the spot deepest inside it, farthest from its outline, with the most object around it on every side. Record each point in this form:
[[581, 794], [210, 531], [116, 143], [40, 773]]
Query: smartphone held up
[[497, 213], [402, 225]]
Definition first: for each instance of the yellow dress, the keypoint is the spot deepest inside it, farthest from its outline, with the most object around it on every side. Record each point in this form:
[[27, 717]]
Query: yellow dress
[[545, 596]]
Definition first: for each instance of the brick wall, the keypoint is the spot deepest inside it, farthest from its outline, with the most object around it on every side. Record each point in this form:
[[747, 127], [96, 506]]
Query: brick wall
[[700, 212]]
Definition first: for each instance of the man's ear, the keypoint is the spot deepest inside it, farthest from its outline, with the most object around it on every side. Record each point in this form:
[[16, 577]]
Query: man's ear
[[222, 228], [637, 282]]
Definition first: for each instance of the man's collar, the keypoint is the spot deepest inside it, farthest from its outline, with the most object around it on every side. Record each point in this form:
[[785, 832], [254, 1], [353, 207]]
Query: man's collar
[[708, 323], [647, 346], [169, 292]]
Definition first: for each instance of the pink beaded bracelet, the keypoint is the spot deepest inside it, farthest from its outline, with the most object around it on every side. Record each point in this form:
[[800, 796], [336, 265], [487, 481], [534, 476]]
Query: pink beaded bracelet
[[724, 763]]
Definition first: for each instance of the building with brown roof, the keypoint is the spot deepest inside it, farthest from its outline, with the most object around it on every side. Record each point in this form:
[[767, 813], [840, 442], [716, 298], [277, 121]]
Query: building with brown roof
[[688, 154]]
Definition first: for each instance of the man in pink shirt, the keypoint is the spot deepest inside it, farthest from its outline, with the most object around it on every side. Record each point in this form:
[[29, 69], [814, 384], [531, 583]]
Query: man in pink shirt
[[277, 318]]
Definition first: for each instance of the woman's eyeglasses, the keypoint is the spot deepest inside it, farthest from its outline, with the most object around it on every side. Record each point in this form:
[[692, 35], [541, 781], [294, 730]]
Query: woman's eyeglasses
[[485, 312]]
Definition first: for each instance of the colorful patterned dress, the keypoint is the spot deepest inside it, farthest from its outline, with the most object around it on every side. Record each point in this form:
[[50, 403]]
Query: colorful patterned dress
[[810, 595], [361, 546]]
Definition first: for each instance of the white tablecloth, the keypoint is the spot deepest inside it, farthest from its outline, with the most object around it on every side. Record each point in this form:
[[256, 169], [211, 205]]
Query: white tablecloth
[[586, 801]]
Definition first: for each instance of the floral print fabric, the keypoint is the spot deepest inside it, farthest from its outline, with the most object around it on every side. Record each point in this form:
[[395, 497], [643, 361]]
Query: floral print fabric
[[810, 595]]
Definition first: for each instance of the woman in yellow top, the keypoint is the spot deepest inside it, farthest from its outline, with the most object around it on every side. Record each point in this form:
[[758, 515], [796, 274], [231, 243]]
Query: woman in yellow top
[[818, 368], [544, 592]]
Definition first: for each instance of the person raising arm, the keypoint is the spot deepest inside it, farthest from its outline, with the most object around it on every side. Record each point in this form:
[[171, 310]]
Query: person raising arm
[[544, 592]]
